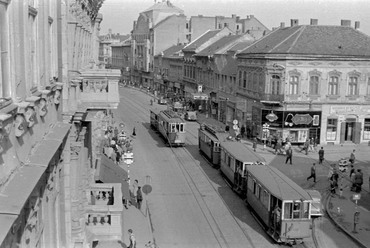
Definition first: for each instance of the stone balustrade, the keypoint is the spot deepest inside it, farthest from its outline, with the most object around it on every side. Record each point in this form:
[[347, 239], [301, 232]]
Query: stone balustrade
[[104, 211]]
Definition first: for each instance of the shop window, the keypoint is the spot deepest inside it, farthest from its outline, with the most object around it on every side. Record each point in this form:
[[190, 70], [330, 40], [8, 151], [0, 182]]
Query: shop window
[[353, 86], [333, 86], [314, 85], [367, 129], [293, 85], [331, 130]]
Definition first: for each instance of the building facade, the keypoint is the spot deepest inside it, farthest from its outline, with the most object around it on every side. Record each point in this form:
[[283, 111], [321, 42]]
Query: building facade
[[50, 125], [157, 28], [308, 88]]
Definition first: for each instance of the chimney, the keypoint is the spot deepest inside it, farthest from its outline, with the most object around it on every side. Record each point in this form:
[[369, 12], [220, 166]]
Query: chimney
[[357, 25], [233, 16], [251, 16], [282, 24], [293, 22], [345, 23], [314, 22]]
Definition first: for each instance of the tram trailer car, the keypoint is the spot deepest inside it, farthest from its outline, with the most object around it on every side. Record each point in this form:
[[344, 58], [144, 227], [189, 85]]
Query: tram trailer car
[[209, 139], [170, 125], [280, 204], [235, 157]]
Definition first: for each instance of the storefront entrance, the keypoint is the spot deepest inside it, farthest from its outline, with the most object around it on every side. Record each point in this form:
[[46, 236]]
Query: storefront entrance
[[350, 131]]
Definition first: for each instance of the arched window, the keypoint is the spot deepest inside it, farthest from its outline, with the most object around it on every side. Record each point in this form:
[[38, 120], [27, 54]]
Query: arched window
[[314, 85], [353, 86], [333, 86], [293, 85]]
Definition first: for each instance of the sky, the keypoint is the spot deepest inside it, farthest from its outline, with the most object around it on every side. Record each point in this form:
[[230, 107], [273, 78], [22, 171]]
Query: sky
[[119, 15]]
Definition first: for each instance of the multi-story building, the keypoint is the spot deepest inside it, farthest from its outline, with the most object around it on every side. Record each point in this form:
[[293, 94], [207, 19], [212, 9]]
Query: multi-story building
[[52, 108], [168, 72], [156, 29], [200, 24], [308, 81], [105, 46], [121, 59], [217, 67]]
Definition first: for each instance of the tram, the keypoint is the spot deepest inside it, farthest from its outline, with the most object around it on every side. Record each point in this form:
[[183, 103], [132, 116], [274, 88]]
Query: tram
[[281, 205], [209, 139], [170, 125], [235, 157]]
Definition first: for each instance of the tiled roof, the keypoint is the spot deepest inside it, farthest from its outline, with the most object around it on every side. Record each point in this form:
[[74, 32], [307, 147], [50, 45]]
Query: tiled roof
[[211, 49], [172, 50], [241, 45], [200, 40], [313, 40]]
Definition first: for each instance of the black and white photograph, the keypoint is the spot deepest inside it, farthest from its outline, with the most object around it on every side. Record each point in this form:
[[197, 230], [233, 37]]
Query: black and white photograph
[[184, 123]]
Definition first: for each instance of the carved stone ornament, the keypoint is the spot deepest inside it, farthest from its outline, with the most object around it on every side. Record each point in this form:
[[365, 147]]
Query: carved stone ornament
[[75, 148], [19, 125]]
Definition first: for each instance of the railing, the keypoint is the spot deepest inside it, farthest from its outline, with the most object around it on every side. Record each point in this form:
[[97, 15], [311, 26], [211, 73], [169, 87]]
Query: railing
[[104, 211]]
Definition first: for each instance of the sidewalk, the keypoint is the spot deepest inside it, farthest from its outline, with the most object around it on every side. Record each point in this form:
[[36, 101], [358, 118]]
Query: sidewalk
[[339, 209]]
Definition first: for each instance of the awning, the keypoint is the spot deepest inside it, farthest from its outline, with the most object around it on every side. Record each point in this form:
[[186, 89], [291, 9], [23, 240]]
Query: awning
[[110, 172], [271, 103]]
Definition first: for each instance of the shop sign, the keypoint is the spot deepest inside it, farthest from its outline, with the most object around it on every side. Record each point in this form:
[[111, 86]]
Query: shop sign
[[300, 119]]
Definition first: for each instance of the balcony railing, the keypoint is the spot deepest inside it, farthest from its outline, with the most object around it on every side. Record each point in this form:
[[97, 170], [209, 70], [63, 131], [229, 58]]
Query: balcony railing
[[104, 211]]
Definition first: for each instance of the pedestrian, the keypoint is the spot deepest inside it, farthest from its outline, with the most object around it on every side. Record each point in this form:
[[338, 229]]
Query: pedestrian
[[242, 131], [352, 157], [358, 180], [311, 148], [352, 171], [333, 187], [321, 155], [134, 132], [313, 173], [254, 144], [330, 173], [132, 239], [134, 190], [139, 196], [289, 155], [278, 146]]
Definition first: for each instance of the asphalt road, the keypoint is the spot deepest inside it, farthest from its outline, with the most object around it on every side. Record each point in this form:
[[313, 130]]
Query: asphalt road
[[191, 205]]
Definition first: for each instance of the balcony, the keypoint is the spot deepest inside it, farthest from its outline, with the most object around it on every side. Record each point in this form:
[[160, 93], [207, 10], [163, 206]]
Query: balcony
[[99, 89], [104, 211]]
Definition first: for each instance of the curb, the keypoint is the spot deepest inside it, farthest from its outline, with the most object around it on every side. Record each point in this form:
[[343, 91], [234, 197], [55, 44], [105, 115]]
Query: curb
[[348, 233]]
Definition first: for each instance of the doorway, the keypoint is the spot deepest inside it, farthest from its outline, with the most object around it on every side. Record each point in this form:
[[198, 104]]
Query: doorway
[[349, 129]]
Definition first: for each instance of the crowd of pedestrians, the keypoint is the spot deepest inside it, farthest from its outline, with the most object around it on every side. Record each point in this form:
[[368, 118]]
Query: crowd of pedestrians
[[116, 143]]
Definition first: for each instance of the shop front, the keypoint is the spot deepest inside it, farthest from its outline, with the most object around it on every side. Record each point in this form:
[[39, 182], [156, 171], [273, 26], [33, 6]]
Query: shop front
[[295, 126]]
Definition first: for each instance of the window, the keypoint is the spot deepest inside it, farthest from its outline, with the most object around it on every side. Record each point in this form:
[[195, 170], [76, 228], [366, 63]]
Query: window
[[245, 79], [275, 85], [331, 130], [258, 191], [296, 210], [333, 86], [368, 87], [288, 210], [265, 198], [293, 85], [352, 86], [314, 85], [367, 129], [250, 183]]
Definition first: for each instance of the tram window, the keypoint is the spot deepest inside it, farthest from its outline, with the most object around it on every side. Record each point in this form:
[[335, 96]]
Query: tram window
[[177, 128], [306, 207], [181, 127], [296, 210], [250, 183], [172, 128], [288, 210], [265, 198], [254, 186], [223, 155], [216, 147], [258, 191]]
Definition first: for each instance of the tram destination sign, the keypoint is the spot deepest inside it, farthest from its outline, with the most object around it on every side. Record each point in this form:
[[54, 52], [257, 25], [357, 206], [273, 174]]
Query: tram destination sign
[[300, 119]]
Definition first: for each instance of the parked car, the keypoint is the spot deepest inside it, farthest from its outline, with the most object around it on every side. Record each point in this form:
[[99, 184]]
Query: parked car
[[316, 206], [191, 116], [162, 101]]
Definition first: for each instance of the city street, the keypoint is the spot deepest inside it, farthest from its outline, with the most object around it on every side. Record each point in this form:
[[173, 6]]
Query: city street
[[191, 205]]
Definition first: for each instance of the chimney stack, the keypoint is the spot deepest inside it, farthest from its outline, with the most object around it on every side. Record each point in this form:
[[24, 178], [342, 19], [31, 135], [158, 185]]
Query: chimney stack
[[314, 22], [345, 23], [293, 22], [357, 25], [282, 24]]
